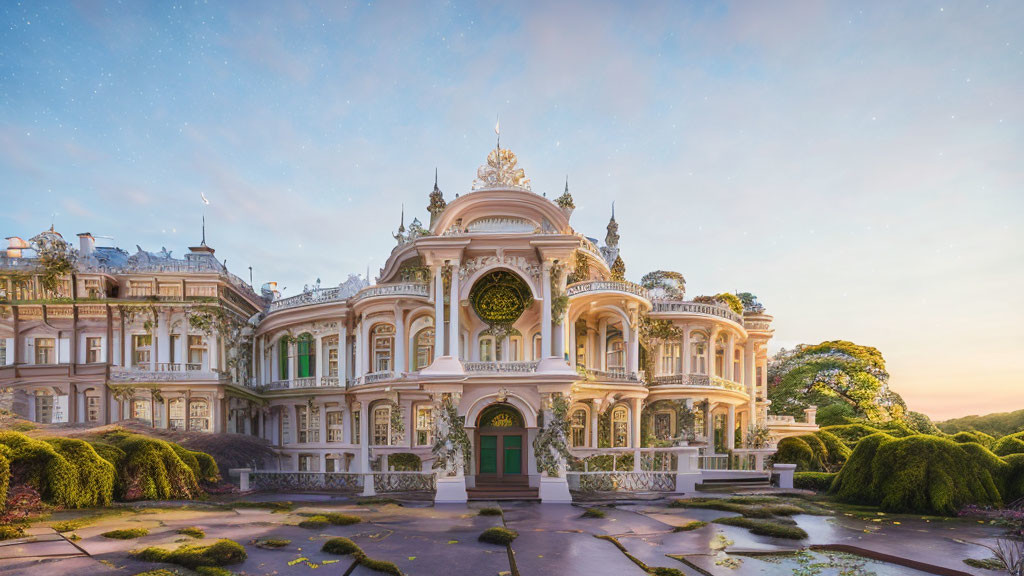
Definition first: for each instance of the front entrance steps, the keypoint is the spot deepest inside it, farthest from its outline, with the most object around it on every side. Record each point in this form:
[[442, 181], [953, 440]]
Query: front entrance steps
[[508, 488]]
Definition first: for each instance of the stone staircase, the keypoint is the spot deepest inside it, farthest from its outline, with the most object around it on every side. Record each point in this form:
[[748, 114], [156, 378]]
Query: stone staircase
[[505, 489]]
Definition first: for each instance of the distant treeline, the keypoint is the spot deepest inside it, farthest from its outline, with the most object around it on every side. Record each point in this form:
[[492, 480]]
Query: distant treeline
[[996, 425]]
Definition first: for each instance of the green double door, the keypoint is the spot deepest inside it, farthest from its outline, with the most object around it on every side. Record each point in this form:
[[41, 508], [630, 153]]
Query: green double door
[[501, 454]]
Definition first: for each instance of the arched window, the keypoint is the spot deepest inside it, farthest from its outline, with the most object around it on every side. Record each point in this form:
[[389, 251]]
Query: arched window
[[736, 361], [306, 356], [578, 423], [176, 413], [620, 427], [383, 346], [382, 426], [424, 343], [282, 359]]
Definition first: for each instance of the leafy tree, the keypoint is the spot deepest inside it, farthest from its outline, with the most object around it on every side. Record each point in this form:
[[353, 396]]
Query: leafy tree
[[999, 424], [834, 372]]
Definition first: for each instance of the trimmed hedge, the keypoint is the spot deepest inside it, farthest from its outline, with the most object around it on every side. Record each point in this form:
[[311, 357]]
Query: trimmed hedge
[[5, 474], [972, 436], [1008, 445], [850, 434], [821, 451], [818, 481], [154, 470], [405, 462], [66, 473], [921, 473]]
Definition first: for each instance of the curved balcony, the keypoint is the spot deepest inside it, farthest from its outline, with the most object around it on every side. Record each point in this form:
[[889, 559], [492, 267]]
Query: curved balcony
[[398, 289], [680, 306], [606, 286], [697, 381], [611, 376], [300, 383], [499, 367], [307, 298], [376, 377]]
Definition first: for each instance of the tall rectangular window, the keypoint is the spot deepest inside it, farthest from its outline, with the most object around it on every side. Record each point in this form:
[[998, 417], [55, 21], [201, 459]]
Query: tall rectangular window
[[142, 348], [332, 363], [382, 426], [3, 351], [196, 347], [356, 436], [309, 425], [334, 427], [424, 426], [45, 351], [141, 410], [286, 427], [93, 349], [44, 409], [92, 408]]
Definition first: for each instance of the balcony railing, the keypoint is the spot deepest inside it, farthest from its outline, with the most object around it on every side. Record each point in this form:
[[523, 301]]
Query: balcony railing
[[612, 375], [317, 296], [499, 367], [697, 308], [374, 377], [758, 325], [311, 382], [697, 380], [165, 372], [400, 289], [606, 286]]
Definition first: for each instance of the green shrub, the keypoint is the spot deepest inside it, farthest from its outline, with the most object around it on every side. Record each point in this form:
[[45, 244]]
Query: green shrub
[[405, 462], [208, 470], [818, 481], [921, 473], [340, 546], [186, 456], [1013, 487], [378, 565], [193, 531], [318, 521], [5, 474], [690, 526], [593, 513], [774, 528], [662, 571], [1008, 445], [272, 543], [110, 453], [795, 450], [221, 553], [10, 531], [153, 470], [850, 434], [342, 519], [213, 571], [986, 564], [62, 479], [836, 452], [972, 436], [838, 413], [490, 511], [498, 535], [96, 476], [126, 533]]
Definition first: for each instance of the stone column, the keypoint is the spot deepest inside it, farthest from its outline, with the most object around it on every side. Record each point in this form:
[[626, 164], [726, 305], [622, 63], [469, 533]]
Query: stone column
[[364, 448], [261, 360], [730, 428], [292, 361], [709, 426], [634, 342], [214, 347], [595, 413], [360, 348], [438, 311], [400, 342], [293, 424], [685, 351], [346, 423], [602, 345], [730, 356], [342, 353], [545, 316], [636, 413], [318, 357], [323, 424], [162, 345], [712, 337], [572, 341], [453, 313], [748, 381]]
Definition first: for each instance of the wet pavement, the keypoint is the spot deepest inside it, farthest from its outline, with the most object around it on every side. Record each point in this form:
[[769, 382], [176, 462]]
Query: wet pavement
[[430, 540]]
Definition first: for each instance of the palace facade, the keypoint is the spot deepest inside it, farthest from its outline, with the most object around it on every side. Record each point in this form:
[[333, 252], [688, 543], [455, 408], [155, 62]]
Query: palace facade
[[497, 310]]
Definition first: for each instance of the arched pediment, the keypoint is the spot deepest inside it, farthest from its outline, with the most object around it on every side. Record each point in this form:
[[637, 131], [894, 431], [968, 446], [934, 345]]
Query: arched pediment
[[502, 211]]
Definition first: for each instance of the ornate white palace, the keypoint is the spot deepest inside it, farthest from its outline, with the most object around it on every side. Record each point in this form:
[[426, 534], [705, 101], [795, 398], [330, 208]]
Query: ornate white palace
[[491, 338]]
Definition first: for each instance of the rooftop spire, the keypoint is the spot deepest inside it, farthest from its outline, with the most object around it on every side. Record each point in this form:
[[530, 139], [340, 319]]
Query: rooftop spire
[[611, 239], [437, 203], [565, 201]]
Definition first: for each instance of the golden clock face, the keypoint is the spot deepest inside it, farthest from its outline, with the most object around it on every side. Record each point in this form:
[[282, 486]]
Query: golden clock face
[[500, 298]]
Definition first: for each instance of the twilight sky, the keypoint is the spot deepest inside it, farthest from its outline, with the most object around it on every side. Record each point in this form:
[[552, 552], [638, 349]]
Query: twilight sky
[[858, 166]]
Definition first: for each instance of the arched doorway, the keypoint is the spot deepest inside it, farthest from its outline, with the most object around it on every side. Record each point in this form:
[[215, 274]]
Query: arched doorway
[[501, 445]]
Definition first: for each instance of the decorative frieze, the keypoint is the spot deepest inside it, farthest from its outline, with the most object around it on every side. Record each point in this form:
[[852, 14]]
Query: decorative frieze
[[472, 265]]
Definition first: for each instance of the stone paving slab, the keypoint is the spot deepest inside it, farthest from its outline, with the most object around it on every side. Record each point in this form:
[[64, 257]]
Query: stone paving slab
[[542, 553]]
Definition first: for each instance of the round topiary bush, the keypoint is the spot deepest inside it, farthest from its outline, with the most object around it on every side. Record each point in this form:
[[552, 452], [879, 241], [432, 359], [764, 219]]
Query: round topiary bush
[[795, 450], [340, 546], [498, 535]]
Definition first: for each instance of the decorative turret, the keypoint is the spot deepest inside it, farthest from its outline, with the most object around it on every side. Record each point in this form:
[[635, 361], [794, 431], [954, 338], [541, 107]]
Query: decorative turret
[[565, 200], [401, 228], [437, 203], [610, 250]]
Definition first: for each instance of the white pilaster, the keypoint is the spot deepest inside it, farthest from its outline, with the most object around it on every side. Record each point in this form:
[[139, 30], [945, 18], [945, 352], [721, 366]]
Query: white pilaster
[[438, 312], [400, 342], [545, 321], [453, 312], [342, 353]]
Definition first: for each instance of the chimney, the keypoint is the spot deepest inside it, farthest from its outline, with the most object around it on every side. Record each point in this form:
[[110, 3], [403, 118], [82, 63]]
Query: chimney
[[86, 245]]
